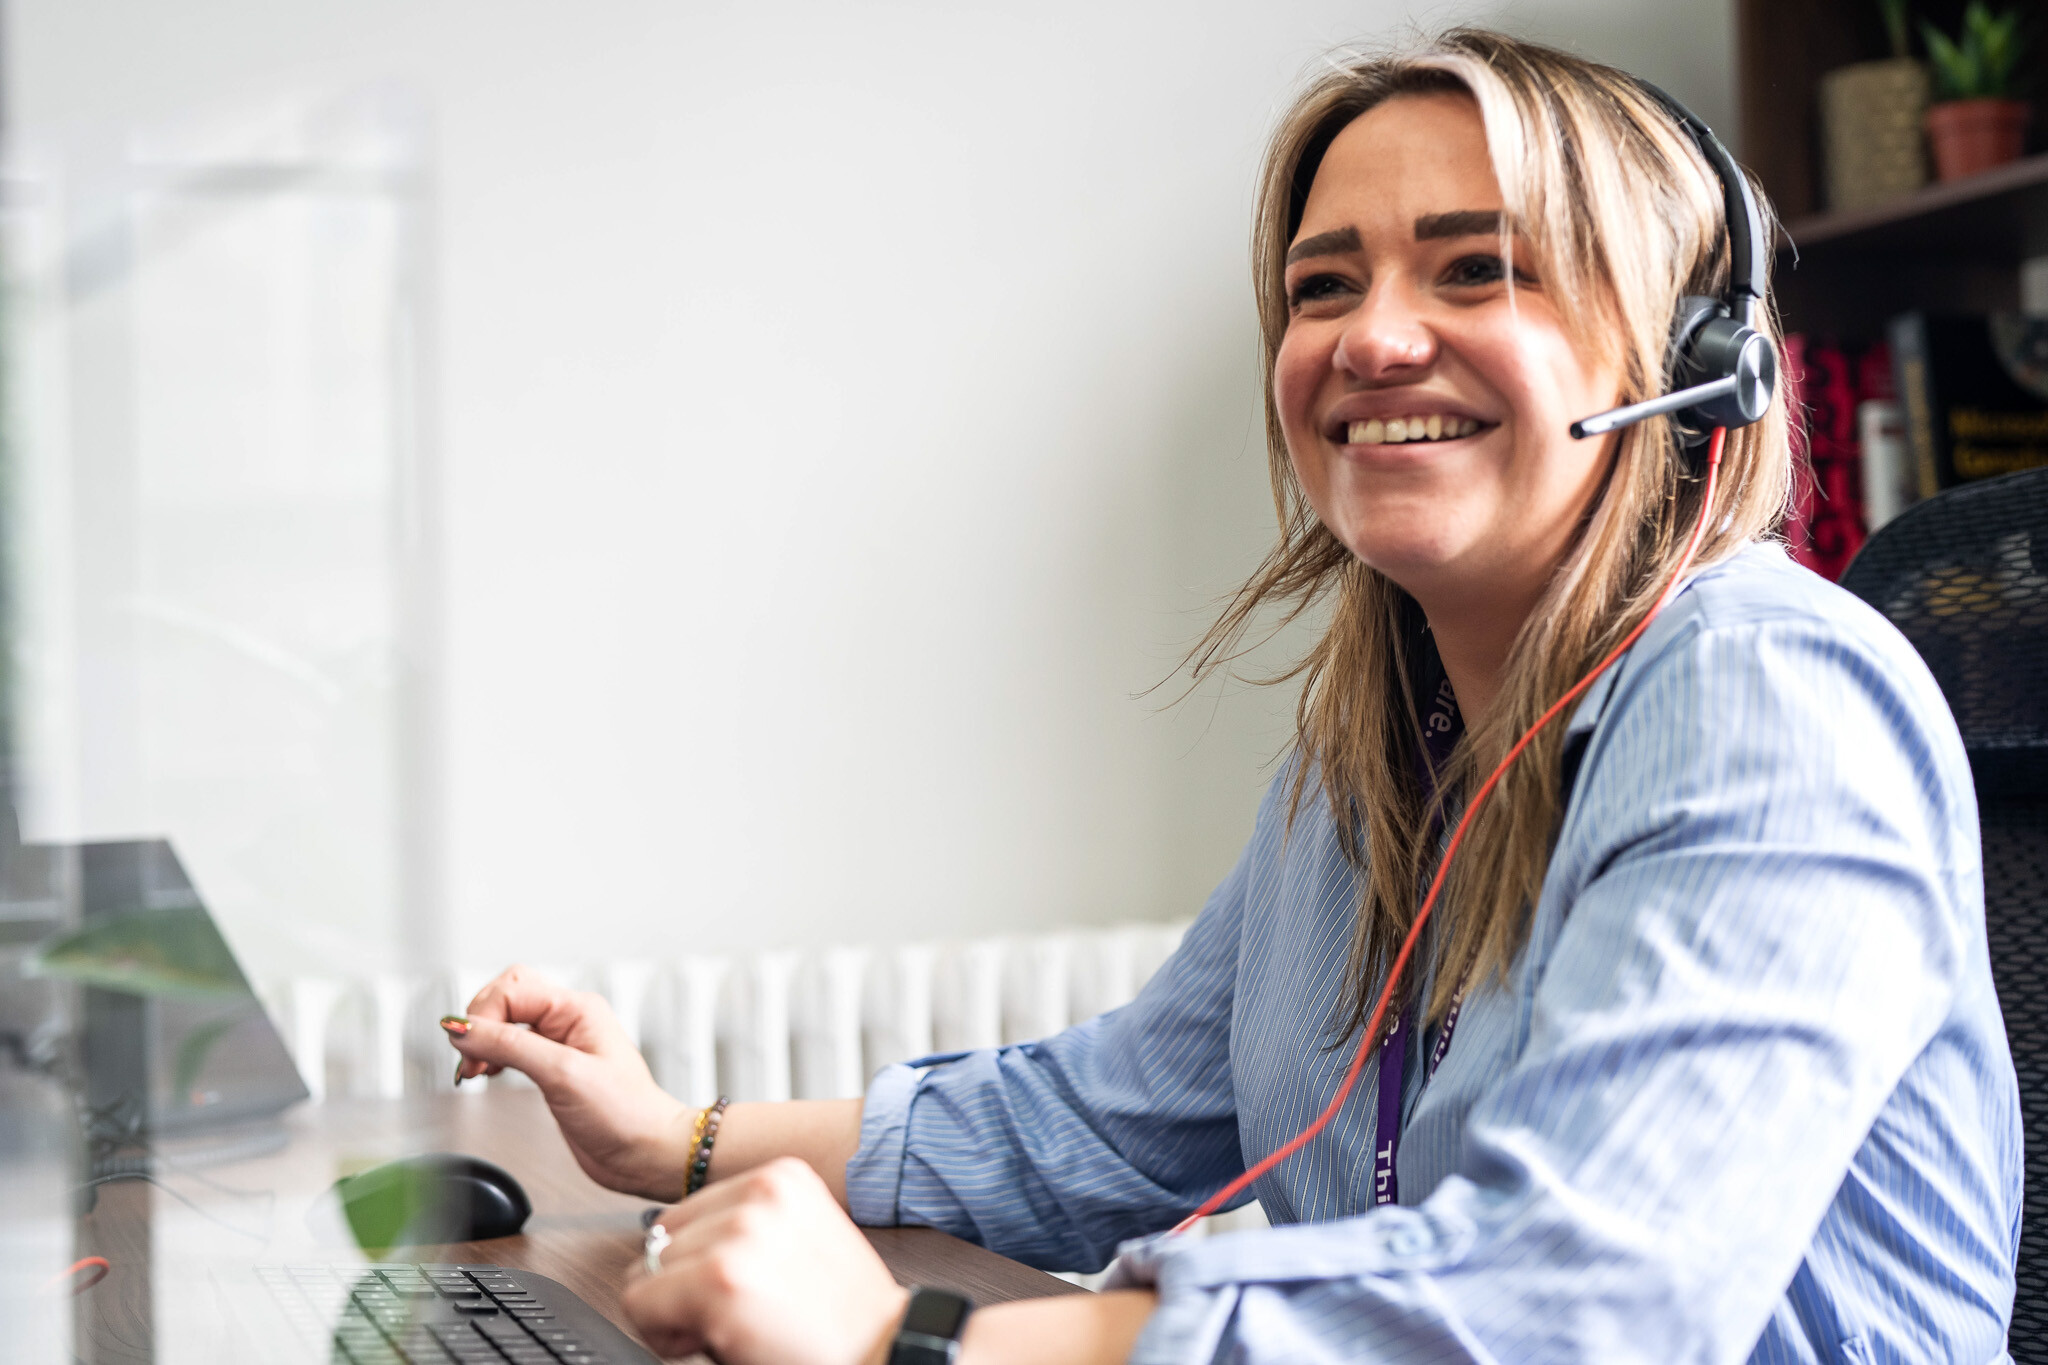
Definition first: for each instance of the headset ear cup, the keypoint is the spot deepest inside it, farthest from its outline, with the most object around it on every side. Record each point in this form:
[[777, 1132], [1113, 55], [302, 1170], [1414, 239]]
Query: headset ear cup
[[1694, 311], [1683, 365], [1725, 348]]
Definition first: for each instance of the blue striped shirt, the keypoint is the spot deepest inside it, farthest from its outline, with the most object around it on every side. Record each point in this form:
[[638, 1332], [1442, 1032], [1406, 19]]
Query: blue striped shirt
[[1746, 1093]]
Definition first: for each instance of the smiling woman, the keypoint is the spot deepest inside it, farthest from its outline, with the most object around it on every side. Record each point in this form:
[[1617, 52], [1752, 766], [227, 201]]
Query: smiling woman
[[1446, 238], [1699, 1058]]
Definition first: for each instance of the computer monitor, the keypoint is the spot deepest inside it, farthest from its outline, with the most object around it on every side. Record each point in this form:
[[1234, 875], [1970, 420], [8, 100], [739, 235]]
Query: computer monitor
[[170, 1039]]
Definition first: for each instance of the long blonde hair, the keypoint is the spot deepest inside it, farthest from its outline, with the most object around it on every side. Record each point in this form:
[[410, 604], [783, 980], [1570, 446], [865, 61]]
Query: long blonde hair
[[1623, 216]]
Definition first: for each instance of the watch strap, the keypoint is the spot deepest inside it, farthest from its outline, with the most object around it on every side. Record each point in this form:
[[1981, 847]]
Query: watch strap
[[932, 1323]]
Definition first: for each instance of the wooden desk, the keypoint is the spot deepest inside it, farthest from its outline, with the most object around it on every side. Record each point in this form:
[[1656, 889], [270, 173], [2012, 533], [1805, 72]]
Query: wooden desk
[[255, 1211]]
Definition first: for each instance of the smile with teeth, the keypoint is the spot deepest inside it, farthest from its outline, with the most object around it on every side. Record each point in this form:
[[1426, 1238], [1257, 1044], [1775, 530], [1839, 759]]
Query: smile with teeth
[[1396, 430]]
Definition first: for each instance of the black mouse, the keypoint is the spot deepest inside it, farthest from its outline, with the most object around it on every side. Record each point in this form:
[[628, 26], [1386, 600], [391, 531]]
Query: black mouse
[[433, 1199]]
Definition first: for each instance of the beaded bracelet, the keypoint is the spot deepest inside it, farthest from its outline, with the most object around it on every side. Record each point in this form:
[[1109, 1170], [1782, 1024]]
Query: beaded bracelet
[[705, 1133]]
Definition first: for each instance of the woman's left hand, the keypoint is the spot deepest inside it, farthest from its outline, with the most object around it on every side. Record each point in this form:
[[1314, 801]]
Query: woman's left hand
[[766, 1269]]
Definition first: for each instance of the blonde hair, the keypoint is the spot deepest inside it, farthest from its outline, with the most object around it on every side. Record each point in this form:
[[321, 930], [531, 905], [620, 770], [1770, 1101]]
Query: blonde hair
[[1623, 216]]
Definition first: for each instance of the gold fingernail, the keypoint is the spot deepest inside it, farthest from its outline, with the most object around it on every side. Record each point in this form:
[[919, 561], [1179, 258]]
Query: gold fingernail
[[459, 1062], [457, 1024]]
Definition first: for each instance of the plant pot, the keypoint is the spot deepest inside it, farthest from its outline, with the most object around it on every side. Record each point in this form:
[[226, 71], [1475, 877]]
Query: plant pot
[[1870, 117], [1969, 137]]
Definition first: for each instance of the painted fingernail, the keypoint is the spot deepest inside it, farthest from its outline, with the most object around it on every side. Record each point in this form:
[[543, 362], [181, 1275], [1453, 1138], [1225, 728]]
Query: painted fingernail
[[460, 1062], [457, 1024]]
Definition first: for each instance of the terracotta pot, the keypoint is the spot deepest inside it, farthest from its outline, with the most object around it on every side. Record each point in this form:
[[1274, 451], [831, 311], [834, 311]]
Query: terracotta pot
[[1969, 137]]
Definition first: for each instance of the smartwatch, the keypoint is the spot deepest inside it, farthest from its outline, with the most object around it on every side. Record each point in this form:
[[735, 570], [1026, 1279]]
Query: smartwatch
[[930, 1334]]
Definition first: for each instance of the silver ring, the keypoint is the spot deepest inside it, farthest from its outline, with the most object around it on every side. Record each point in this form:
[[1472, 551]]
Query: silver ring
[[657, 1242]]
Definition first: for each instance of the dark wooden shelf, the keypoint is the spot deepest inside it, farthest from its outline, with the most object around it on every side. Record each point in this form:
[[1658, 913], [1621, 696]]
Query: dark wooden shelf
[[2001, 215], [1948, 248], [1952, 248]]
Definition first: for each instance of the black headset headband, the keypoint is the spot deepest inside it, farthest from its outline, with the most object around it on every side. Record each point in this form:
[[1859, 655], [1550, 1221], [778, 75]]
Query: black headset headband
[[1746, 246]]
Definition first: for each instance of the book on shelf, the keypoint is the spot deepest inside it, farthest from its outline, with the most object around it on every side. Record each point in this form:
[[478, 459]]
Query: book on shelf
[[1890, 483], [1822, 383], [1973, 389]]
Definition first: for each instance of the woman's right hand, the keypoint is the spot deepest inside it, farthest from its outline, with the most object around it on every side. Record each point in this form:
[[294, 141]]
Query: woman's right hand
[[625, 1131]]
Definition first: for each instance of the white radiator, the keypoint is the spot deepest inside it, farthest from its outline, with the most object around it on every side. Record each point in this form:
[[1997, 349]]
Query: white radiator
[[766, 1026], [771, 1025]]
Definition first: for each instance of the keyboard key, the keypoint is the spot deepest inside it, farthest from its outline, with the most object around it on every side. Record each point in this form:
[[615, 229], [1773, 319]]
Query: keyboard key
[[423, 1351]]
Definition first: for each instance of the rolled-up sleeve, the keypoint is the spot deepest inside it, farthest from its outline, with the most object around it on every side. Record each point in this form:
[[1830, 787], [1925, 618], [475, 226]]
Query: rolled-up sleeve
[[1054, 1152], [1757, 917]]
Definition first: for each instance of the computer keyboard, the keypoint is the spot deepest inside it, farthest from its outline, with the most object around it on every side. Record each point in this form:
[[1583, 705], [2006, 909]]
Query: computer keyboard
[[402, 1314]]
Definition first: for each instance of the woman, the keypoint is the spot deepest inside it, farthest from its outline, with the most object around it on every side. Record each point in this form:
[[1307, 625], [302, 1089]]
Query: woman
[[1700, 1059]]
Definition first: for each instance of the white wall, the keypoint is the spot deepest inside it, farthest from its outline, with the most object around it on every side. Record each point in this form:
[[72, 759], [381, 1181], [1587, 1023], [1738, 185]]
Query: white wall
[[840, 411]]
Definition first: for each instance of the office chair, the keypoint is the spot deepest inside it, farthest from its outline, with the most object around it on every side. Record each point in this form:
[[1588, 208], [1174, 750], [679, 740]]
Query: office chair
[[1965, 577]]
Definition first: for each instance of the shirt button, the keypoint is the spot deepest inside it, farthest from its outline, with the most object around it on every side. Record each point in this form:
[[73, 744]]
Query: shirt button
[[1407, 1242]]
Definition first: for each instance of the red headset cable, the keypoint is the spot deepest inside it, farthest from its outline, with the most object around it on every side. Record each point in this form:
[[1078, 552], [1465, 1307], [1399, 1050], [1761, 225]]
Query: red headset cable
[[1379, 1009], [97, 1264]]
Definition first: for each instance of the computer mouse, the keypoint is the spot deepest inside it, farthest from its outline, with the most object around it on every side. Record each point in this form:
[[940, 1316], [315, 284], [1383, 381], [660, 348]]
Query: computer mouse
[[432, 1199]]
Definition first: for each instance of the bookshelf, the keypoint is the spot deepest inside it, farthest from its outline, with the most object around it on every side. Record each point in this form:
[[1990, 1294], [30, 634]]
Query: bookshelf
[[1954, 246]]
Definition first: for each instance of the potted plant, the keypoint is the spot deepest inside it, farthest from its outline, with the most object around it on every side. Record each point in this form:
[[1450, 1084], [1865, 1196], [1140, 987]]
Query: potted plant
[[1871, 114], [1975, 122]]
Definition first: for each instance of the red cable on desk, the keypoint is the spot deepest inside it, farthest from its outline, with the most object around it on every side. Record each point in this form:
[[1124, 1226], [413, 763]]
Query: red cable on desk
[[1379, 1010], [98, 1263]]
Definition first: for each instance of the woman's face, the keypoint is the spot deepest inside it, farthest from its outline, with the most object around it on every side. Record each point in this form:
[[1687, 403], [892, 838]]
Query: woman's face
[[1425, 410]]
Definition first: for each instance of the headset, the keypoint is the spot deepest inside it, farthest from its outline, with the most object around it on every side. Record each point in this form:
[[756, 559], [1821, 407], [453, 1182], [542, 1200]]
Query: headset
[[1722, 369], [1724, 374]]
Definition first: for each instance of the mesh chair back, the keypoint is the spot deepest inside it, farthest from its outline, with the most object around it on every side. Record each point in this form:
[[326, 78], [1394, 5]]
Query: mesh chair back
[[1965, 577]]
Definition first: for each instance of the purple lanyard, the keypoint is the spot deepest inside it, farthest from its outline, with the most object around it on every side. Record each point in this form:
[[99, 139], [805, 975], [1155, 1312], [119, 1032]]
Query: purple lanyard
[[1440, 731], [1386, 1186]]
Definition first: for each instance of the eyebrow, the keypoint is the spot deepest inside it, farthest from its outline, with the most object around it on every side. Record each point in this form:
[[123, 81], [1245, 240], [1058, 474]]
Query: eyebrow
[[1325, 244], [1467, 223], [1429, 227]]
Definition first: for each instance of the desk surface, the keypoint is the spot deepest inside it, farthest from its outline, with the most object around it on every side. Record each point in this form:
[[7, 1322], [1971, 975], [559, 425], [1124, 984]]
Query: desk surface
[[255, 1211]]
